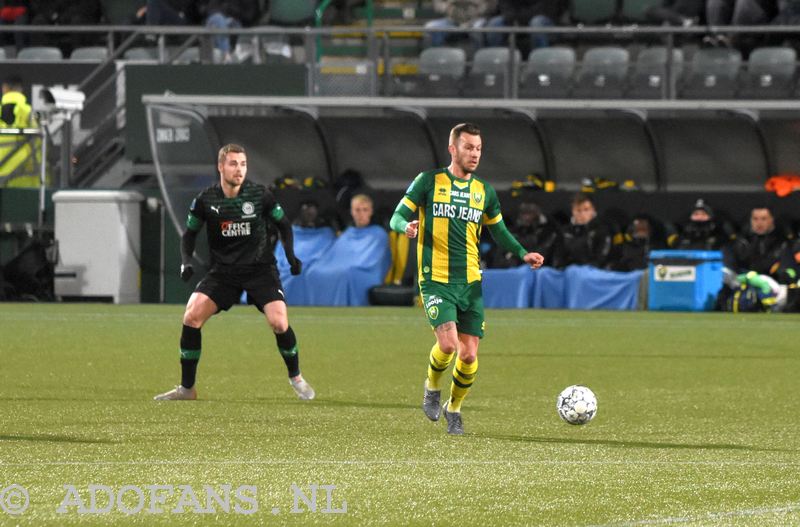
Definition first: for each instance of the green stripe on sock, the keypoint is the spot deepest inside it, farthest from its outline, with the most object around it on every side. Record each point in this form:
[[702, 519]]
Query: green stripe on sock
[[288, 353], [434, 368], [461, 384], [190, 354]]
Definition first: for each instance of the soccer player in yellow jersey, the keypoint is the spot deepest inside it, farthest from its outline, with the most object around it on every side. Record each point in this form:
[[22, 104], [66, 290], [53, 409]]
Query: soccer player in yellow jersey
[[453, 205]]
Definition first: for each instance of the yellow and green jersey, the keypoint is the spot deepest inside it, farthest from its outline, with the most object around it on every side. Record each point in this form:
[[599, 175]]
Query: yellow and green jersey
[[452, 212]]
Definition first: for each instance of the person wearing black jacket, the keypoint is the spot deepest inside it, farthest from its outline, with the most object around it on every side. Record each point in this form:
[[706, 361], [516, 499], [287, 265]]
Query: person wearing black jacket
[[533, 229], [586, 240], [760, 246]]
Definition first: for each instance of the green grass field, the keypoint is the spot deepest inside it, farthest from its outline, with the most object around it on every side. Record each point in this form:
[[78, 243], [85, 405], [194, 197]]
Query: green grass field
[[697, 422]]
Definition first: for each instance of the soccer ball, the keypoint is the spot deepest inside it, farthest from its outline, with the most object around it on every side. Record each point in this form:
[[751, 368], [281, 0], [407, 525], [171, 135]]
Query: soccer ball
[[576, 405]]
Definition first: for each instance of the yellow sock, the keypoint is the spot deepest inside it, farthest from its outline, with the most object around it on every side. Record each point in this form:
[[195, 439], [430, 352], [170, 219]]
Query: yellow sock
[[463, 377], [438, 364]]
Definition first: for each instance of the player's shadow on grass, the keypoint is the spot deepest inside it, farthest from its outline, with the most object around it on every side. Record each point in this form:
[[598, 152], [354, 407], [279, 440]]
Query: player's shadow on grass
[[631, 444], [51, 438]]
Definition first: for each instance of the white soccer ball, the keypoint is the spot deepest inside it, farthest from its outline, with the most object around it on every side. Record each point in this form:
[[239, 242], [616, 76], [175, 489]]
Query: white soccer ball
[[576, 405]]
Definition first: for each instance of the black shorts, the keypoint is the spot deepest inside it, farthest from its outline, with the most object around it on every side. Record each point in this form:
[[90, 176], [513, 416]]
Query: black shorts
[[263, 286]]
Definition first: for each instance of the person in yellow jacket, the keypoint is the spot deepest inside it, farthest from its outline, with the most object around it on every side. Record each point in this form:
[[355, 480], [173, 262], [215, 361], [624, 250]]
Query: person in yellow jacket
[[19, 154]]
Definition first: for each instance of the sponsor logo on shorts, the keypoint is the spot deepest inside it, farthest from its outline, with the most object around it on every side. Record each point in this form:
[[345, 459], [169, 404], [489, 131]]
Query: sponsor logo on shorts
[[231, 229], [433, 300]]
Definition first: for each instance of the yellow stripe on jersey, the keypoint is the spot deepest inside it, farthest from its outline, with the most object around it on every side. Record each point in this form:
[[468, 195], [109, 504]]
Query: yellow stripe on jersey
[[477, 195], [441, 188], [440, 251], [420, 243], [491, 221], [408, 203], [473, 258]]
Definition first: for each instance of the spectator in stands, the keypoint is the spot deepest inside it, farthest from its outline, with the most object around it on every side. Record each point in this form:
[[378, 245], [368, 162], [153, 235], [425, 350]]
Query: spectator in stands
[[702, 232], [686, 13], [532, 229], [525, 13], [230, 14], [737, 13], [169, 12], [66, 13], [759, 246], [466, 14], [642, 236], [18, 154], [308, 217], [361, 210], [15, 12], [585, 240]]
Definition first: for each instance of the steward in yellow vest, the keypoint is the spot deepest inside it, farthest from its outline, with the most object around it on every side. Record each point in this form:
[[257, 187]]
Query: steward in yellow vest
[[19, 155]]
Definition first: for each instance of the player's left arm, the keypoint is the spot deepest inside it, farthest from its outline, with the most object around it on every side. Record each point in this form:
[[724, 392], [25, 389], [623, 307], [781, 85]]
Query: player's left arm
[[278, 216], [493, 220]]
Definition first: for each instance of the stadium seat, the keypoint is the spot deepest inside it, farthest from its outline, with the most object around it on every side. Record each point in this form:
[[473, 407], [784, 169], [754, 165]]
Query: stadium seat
[[2, 54], [95, 53], [291, 12], [592, 12], [489, 73], [634, 10], [148, 53], [602, 73], [712, 74], [40, 53], [441, 71], [649, 72], [548, 73], [770, 73]]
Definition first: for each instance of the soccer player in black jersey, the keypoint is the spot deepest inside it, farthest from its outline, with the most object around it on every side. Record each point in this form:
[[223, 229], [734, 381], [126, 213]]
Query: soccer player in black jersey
[[236, 213]]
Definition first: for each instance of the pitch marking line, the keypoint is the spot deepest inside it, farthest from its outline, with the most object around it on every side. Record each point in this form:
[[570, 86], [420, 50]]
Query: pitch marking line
[[711, 516], [356, 462]]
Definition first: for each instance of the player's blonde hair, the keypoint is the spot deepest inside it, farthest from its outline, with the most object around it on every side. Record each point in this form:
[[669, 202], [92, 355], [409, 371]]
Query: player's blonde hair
[[361, 198], [230, 147]]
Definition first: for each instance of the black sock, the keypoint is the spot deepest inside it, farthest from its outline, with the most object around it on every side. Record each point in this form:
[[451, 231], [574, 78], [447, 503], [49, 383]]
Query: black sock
[[287, 346], [190, 355]]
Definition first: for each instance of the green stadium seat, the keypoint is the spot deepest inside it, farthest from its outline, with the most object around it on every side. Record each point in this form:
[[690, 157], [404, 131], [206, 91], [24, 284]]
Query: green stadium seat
[[592, 12], [713, 74], [770, 73], [634, 10], [40, 53], [649, 72], [489, 73], [548, 73], [602, 73]]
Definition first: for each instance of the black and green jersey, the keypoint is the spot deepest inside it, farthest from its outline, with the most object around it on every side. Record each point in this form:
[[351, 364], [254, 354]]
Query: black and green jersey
[[236, 227], [451, 214]]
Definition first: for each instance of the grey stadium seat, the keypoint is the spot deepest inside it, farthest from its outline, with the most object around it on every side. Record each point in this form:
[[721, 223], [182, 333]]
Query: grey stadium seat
[[489, 73], [96, 53], [149, 53], [712, 74], [40, 53], [2, 54], [770, 73], [548, 73], [648, 77], [602, 73], [441, 71]]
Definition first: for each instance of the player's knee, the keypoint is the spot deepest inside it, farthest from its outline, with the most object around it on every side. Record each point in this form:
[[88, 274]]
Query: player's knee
[[278, 325], [191, 319], [468, 356], [448, 346]]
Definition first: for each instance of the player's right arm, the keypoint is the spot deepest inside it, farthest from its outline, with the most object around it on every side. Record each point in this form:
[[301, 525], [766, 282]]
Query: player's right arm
[[194, 221], [414, 197]]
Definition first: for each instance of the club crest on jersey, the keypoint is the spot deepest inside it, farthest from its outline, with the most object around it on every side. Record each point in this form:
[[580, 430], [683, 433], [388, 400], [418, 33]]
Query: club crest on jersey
[[477, 197], [231, 229], [248, 208]]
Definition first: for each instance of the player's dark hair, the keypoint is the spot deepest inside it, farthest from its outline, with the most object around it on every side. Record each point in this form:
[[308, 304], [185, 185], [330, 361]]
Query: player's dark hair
[[463, 128], [230, 147], [580, 198]]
